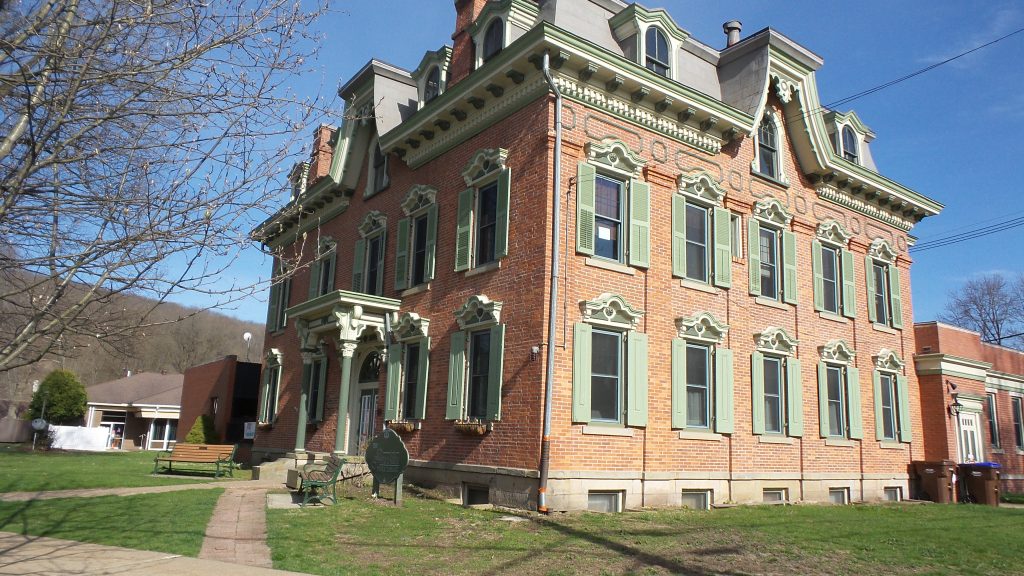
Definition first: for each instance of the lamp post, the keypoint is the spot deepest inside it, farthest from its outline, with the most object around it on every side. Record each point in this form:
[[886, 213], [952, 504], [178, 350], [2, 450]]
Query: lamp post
[[248, 342]]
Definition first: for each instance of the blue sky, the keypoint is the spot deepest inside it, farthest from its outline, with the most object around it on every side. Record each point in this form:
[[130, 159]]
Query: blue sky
[[953, 134]]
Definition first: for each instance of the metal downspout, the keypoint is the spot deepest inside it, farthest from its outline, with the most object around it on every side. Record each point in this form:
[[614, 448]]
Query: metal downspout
[[545, 446]]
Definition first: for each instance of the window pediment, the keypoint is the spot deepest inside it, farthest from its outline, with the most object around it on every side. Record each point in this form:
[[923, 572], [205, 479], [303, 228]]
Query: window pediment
[[615, 154], [484, 163], [634, 19], [775, 340], [612, 310], [700, 184], [833, 232], [881, 250], [326, 245], [419, 197], [887, 360], [702, 326], [785, 88], [410, 326], [372, 222], [837, 351], [478, 311], [274, 357], [771, 210]]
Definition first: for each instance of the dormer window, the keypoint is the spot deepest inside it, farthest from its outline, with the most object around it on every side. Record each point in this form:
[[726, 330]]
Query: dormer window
[[494, 38], [657, 52], [432, 88], [850, 144], [768, 148]]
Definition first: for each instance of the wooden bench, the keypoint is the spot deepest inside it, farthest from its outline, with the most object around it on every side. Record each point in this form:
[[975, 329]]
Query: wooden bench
[[216, 454], [316, 479]]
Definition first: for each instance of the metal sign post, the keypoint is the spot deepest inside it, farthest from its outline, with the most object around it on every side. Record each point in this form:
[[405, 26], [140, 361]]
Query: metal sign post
[[387, 458]]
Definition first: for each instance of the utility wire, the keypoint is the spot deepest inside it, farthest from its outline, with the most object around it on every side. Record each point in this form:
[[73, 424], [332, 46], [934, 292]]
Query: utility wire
[[969, 235]]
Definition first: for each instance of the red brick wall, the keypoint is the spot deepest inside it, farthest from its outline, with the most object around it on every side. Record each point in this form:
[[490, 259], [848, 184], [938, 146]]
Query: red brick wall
[[201, 384], [463, 51]]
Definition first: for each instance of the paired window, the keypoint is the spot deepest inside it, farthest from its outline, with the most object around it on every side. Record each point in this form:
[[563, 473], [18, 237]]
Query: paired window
[[702, 242], [280, 293], [368, 255], [850, 144], [406, 387], [833, 279], [417, 239], [481, 235], [314, 382], [432, 86], [772, 262], [609, 365], [768, 149], [1018, 421], [777, 395], [322, 270], [839, 401], [270, 389], [475, 362], [884, 298], [892, 407], [656, 45], [494, 39], [993, 420], [612, 216]]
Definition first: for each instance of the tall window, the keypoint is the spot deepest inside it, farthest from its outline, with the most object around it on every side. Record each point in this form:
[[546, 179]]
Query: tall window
[[494, 38], [993, 420], [479, 372], [486, 223], [419, 250], [830, 279], [657, 51], [606, 377], [1018, 422], [432, 87], [316, 382], [836, 401], [322, 270], [475, 362], [881, 292], [481, 235], [702, 380], [326, 275], [368, 256], [849, 144], [410, 381], [888, 402], [374, 269], [697, 218], [698, 386], [701, 231], [417, 238], [774, 395], [776, 387], [608, 217], [380, 169], [885, 305], [832, 268], [405, 390], [280, 294], [768, 148], [769, 261], [270, 388]]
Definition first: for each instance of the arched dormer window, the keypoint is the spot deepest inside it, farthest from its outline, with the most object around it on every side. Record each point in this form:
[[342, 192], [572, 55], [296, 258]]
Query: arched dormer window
[[768, 148], [432, 88], [494, 38], [850, 151], [657, 51]]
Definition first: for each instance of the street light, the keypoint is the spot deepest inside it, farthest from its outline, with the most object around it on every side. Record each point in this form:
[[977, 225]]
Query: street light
[[248, 342]]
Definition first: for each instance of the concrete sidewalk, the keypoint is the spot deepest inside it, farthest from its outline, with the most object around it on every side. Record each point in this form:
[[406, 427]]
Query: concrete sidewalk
[[40, 556]]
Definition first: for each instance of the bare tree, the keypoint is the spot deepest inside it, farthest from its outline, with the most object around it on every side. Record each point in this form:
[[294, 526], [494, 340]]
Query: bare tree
[[140, 141], [990, 305]]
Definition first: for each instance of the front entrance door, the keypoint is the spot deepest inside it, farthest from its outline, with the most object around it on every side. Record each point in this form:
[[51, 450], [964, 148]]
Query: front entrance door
[[363, 404], [969, 442]]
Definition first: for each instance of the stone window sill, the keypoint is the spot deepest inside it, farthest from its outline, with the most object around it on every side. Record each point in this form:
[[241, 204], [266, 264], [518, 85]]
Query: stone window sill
[[770, 179], [840, 442], [483, 269], [833, 317], [997, 451], [695, 285], [607, 431], [608, 265], [415, 290], [776, 440], [703, 436], [771, 303], [889, 445], [883, 328]]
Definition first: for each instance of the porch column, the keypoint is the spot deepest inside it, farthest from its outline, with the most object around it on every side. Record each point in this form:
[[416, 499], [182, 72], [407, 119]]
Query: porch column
[[348, 349], [300, 430]]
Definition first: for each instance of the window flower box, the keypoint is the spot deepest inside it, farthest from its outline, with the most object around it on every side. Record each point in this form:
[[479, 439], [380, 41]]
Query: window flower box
[[472, 428]]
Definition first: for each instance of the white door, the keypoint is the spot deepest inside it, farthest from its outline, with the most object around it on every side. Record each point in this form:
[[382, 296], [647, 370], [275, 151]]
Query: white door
[[969, 442]]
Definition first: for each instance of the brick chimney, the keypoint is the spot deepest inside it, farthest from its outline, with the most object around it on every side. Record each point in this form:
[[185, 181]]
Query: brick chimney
[[320, 159], [463, 52]]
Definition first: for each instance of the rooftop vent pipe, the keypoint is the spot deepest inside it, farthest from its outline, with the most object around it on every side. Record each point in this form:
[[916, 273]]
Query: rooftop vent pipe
[[732, 30]]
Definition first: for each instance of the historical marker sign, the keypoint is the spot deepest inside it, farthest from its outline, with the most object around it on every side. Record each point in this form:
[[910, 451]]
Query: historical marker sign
[[387, 457]]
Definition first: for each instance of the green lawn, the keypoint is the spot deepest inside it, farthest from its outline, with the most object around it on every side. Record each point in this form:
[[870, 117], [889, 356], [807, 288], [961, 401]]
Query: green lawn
[[358, 536], [35, 471], [1013, 498], [173, 522]]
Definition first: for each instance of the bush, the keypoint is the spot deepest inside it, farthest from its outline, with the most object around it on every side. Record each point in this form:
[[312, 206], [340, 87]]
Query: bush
[[203, 431], [64, 397]]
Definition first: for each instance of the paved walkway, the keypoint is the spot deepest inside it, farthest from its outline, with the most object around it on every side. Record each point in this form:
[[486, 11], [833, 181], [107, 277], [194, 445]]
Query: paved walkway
[[237, 532]]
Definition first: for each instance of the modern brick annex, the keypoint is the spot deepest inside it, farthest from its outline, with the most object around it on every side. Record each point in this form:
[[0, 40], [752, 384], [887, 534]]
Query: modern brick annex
[[733, 314]]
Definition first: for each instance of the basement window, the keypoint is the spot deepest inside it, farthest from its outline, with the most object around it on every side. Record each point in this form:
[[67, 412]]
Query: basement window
[[773, 495], [475, 495], [604, 501], [839, 496], [697, 499]]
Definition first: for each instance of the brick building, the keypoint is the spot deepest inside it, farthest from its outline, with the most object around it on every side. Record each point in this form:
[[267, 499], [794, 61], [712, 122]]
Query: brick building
[[582, 259], [226, 390], [972, 400]]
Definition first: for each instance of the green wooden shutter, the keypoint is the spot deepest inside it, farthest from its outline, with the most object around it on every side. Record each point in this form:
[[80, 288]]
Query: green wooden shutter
[[428, 272], [464, 230], [585, 208], [903, 395], [723, 391], [358, 264], [393, 382], [794, 398], [723, 248], [789, 283], [321, 390], [380, 262], [678, 236], [849, 286], [402, 255], [895, 297], [678, 383], [639, 223], [757, 390], [876, 385], [494, 372], [422, 376], [869, 275], [501, 217], [754, 256], [823, 420], [314, 279], [853, 397], [636, 381], [581, 358], [819, 279], [273, 306], [456, 376]]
